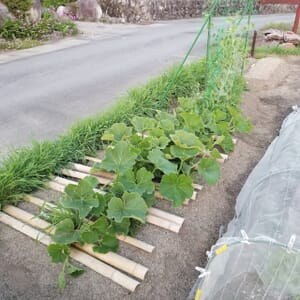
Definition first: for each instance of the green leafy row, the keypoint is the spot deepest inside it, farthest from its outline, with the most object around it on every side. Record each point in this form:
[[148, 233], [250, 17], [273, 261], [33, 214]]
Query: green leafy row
[[166, 151]]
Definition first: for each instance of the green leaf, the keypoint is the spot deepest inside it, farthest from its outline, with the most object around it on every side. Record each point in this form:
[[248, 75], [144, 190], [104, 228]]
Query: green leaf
[[176, 188], [161, 142], [74, 271], [65, 233], [167, 125], [142, 124], [140, 183], [89, 237], [219, 115], [131, 205], [117, 132], [120, 158], [120, 228], [167, 122], [102, 204], [118, 188], [100, 226], [61, 279], [92, 180], [187, 140], [243, 125], [107, 244], [149, 199], [80, 197], [157, 132], [58, 253], [192, 122], [160, 162], [209, 169], [215, 154], [227, 144], [183, 154]]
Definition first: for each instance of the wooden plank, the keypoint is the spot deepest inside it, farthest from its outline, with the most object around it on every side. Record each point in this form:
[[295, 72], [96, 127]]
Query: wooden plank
[[111, 258], [79, 256], [166, 224], [124, 238]]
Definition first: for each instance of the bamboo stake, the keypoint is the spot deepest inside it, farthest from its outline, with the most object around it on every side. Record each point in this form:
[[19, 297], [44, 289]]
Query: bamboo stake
[[124, 238], [154, 221], [167, 216], [81, 257], [110, 258]]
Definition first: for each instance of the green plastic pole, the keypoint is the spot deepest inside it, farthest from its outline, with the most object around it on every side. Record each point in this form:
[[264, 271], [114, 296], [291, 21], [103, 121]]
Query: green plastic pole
[[179, 69]]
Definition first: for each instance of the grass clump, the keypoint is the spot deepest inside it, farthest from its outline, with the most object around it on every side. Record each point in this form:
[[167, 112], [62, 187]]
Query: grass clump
[[265, 51], [19, 44], [28, 168], [24, 29]]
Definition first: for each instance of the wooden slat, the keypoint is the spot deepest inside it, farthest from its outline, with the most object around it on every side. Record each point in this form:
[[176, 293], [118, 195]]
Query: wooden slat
[[126, 239], [111, 258], [166, 224], [79, 256]]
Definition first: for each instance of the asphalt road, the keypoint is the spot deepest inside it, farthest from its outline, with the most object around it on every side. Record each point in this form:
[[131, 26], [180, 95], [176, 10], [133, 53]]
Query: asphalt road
[[43, 94]]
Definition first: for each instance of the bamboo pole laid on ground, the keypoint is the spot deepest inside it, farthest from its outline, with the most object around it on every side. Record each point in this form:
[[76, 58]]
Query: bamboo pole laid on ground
[[79, 256], [124, 238], [111, 258]]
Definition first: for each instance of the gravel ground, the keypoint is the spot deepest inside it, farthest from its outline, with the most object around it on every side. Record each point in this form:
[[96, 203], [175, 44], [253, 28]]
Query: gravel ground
[[26, 269]]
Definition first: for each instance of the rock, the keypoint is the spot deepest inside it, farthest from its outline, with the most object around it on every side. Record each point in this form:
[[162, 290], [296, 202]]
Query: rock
[[89, 10], [67, 12], [35, 12], [288, 45], [60, 11], [4, 13], [273, 34], [291, 37]]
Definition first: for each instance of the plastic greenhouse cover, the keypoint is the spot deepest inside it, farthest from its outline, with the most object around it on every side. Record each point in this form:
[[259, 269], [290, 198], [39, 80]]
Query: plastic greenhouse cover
[[259, 255]]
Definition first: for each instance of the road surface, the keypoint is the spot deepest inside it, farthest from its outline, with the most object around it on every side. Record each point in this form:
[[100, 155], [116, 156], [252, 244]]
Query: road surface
[[45, 90]]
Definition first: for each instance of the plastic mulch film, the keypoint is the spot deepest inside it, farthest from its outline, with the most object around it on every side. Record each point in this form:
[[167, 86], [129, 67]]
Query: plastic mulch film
[[259, 255]]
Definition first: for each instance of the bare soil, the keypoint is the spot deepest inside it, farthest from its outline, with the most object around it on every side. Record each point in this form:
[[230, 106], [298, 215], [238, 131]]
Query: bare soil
[[26, 270]]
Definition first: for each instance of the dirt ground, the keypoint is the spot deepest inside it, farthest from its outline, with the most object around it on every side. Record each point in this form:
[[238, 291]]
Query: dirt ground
[[26, 271]]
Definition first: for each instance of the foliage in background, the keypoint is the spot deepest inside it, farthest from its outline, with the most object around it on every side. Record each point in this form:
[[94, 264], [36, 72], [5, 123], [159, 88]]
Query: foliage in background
[[55, 3], [24, 29], [231, 7], [18, 7]]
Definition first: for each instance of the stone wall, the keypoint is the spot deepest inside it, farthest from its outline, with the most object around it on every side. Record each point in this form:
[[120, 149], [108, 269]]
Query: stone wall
[[148, 10]]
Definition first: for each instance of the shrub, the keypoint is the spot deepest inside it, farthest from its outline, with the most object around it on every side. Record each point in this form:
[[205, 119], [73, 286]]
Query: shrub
[[23, 28], [18, 7]]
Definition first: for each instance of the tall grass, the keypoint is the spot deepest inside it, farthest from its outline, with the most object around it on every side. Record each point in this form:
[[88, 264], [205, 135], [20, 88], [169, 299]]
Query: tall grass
[[27, 169]]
